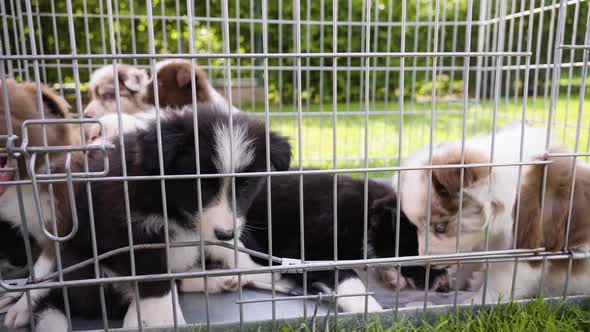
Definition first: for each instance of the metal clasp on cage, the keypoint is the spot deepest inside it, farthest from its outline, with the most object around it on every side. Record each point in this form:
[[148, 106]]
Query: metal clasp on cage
[[291, 262], [70, 189], [579, 254], [31, 152], [103, 146], [10, 150]]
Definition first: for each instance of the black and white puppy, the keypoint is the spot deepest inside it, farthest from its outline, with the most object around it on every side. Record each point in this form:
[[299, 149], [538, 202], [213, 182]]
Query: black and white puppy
[[318, 216], [248, 154]]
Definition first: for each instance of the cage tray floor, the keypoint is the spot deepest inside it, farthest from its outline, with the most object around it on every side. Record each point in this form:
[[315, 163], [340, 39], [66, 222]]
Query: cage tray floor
[[224, 309]]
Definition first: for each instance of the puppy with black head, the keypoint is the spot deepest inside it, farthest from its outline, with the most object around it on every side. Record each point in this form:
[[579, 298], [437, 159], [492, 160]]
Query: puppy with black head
[[222, 148], [318, 217]]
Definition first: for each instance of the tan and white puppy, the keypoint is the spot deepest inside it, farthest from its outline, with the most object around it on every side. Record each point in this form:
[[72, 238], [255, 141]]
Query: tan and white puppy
[[137, 94], [133, 84], [22, 106], [488, 197]]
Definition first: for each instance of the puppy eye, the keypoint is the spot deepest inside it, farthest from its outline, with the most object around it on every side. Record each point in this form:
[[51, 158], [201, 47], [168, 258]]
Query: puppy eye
[[108, 95], [440, 228]]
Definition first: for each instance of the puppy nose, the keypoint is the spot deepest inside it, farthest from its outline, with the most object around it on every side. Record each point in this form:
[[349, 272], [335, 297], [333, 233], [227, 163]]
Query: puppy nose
[[224, 235], [89, 113]]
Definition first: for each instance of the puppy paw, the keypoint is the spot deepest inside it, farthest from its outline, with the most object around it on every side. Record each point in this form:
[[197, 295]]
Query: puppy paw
[[6, 300], [389, 276], [441, 283], [357, 304], [296, 292], [155, 312], [18, 315], [475, 282], [373, 305], [214, 284], [51, 320], [222, 284]]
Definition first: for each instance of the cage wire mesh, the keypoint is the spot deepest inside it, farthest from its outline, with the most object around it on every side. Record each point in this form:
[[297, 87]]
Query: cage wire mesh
[[357, 85]]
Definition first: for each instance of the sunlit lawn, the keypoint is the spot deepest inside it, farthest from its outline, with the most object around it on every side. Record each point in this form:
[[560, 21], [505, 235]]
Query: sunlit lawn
[[383, 127]]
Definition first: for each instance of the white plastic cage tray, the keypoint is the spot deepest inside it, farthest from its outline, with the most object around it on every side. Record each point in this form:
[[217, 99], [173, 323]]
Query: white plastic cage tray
[[223, 308]]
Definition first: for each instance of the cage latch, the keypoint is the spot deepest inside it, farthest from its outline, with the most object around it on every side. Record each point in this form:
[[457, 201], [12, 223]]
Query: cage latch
[[291, 262], [31, 153]]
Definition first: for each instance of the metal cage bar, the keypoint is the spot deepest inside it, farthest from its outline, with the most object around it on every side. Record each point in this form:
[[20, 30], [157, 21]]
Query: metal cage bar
[[357, 86]]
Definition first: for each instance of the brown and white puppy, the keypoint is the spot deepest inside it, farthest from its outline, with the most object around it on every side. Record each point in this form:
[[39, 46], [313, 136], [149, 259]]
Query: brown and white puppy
[[137, 94], [174, 86], [486, 201], [22, 103], [133, 84], [544, 222]]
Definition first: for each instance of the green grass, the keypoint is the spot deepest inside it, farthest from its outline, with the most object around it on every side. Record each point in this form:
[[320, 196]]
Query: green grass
[[536, 315], [383, 129]]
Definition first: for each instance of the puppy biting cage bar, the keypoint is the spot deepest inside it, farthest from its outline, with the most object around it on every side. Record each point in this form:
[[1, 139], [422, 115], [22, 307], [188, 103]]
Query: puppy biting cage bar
[[357, 86]]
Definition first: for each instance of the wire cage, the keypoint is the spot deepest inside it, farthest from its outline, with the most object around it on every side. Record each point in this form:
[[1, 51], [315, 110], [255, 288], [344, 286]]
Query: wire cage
[[356, 85]]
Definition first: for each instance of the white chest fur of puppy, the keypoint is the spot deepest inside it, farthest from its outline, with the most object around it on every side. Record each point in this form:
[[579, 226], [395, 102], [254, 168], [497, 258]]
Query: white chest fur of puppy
[[109, 125]]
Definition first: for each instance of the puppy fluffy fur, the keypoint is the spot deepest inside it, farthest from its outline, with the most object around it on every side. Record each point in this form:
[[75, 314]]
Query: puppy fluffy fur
[[137, 95], [247, 144], [318, 218], [23, 105], [175, 88], [109, 124], [133, 84], [543, 221], [488, 197]]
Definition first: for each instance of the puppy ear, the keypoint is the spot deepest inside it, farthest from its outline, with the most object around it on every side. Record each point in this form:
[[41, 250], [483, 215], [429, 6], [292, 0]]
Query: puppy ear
[[184, 71], [385, 205], [202, 82], [52, 102], [57, 105], [447, 181], [529, 219], [183, 76], [280, 152], [557, 200], [132, 78]]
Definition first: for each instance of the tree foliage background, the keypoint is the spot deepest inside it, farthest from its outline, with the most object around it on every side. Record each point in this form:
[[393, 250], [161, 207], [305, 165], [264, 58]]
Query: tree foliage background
[[91, 25]]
